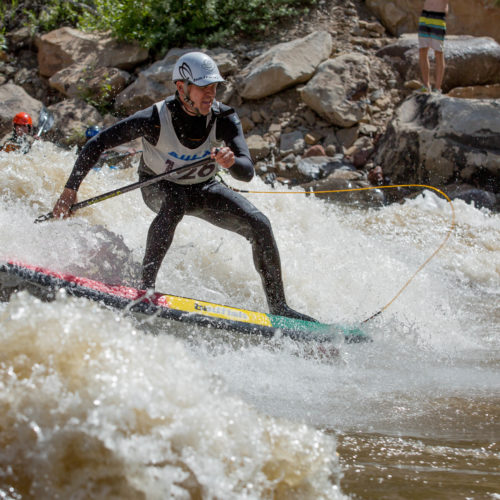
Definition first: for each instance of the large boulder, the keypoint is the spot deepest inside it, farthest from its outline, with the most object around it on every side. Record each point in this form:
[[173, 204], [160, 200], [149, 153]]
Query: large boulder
[[284, 65], [477, 92], [71, 118], [62, 47], [83, 80], [337, 90], [465, 17], [437, 140], [469, 60]]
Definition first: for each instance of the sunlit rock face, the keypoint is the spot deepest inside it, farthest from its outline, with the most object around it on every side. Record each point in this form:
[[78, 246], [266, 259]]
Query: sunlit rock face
[[438, 140], [465, 17]]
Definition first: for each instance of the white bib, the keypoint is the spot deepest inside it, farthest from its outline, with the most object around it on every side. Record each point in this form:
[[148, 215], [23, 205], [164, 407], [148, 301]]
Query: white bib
[[169, 153]]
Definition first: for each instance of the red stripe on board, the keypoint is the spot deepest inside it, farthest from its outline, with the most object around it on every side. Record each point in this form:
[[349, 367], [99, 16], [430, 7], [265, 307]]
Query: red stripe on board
[[125, 292]]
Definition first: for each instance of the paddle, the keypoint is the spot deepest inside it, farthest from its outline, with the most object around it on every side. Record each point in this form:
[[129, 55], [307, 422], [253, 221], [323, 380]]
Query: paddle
[[45, 121], [126, 189]]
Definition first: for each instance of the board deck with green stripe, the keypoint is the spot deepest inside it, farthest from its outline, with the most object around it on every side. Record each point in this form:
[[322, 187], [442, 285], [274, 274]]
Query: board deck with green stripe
[[45, 282]]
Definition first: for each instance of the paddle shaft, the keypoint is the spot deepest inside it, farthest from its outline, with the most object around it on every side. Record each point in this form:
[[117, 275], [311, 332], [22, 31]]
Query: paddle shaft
[[126, 189]]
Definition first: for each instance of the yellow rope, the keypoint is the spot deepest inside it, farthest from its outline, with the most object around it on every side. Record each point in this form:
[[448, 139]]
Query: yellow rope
[[448, 234]]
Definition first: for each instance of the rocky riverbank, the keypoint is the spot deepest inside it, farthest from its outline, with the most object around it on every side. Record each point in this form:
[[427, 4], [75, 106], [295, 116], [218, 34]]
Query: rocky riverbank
[[330, 103]]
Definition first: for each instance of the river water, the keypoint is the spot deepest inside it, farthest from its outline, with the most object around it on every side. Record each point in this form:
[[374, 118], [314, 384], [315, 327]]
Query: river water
[[97, 404]]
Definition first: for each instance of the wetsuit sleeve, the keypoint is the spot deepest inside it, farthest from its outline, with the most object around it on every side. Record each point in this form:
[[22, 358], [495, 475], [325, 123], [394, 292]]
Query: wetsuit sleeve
[[144, 123], [229, 130]]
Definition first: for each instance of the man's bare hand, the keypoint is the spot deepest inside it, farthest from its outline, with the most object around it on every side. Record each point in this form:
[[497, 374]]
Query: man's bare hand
[[223, 156], [64, 203]]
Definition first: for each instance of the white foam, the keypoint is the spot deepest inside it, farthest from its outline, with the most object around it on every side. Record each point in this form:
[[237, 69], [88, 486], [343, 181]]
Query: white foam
[[437, 341]]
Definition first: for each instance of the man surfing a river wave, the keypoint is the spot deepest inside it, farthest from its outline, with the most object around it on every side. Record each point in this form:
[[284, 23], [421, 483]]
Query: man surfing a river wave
[[177, 131]]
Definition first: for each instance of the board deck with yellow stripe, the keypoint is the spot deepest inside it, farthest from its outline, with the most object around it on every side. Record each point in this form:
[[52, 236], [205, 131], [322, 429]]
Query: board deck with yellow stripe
[[45, 282]]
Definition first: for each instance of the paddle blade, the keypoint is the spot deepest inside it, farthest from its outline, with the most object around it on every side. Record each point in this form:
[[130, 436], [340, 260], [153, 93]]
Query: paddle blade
[[45, 121], [44, 217]]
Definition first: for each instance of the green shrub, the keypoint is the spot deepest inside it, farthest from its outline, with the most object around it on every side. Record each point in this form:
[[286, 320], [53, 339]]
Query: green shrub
[[41, 16], [160, 24], [55, 14], [7, 16], [155, 24]]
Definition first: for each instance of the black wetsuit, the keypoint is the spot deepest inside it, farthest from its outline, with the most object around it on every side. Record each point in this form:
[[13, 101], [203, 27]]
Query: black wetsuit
[[209, 200], [17, 143]]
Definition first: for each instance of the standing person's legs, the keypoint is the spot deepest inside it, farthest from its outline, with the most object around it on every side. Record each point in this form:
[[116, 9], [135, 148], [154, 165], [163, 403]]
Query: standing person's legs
[[440, 66], [431, 33], [425, 67], [423, 53], [230, 210], [168, 200]]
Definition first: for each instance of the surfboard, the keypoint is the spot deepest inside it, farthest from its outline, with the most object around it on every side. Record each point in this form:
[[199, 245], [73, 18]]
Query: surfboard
[[45, 283]]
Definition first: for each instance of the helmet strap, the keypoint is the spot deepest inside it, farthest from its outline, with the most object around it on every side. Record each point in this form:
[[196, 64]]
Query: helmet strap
[[188, 100]]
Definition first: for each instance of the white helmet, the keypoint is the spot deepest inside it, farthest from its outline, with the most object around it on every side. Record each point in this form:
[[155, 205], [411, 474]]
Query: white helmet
[[196, 68]]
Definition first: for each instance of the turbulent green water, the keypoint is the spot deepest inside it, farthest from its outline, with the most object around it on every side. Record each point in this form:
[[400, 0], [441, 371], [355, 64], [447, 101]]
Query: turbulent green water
[[94, 404]]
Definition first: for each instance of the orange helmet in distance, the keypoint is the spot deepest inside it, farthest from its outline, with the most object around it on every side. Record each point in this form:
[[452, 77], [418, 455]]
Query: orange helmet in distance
[[22, 119]]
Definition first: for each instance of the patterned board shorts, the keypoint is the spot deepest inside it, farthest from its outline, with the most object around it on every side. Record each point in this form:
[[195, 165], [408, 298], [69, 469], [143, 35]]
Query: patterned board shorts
[[432, 30]]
